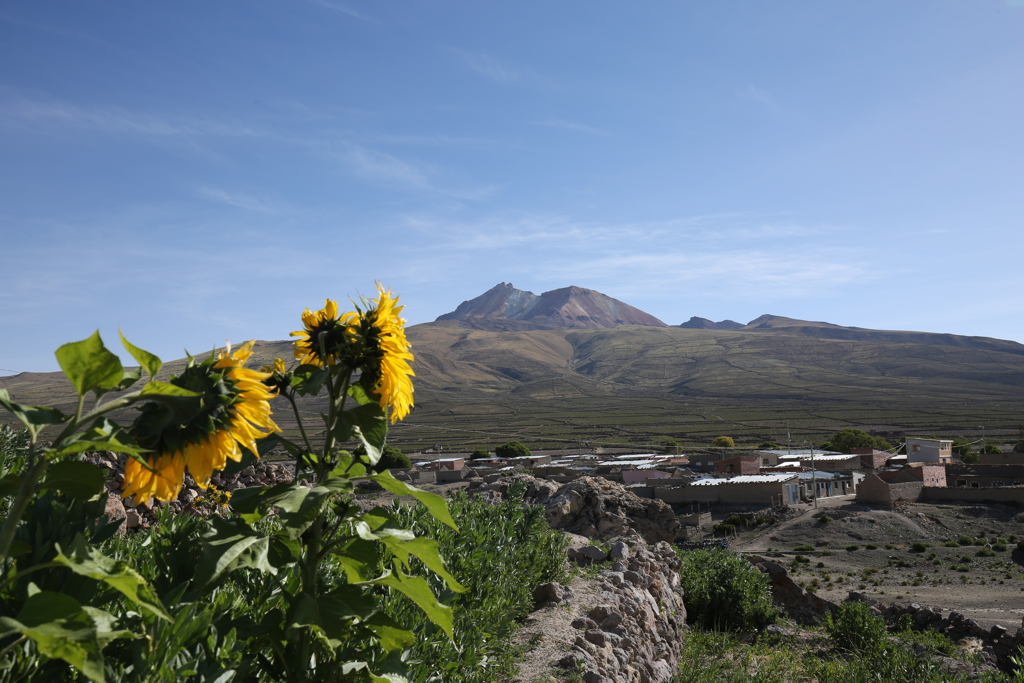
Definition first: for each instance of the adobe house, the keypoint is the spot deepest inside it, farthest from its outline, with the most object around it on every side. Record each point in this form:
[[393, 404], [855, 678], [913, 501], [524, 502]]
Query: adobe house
[[741, 464], [885, 488], [871, 458], [833, 463], [1002, 458], [984, 476], [451, 464], [750, 489], [936, 451]]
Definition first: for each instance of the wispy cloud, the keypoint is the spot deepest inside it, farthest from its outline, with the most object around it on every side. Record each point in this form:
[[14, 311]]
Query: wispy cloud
[[571, 125], [500, 71], [20, 110], [755, 94], [237, 199], [345, 9]]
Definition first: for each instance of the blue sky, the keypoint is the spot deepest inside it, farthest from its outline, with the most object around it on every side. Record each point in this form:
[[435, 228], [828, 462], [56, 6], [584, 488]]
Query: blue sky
[[195, 172]]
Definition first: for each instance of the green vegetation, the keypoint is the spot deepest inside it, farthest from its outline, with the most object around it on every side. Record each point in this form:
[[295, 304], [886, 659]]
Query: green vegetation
[[845, 440], [479, 453], [723, 591], [723, 442], [804, 548], [512, 449]]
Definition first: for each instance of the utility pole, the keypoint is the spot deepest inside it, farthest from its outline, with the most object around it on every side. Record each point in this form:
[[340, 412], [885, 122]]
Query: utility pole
[[814, 478]]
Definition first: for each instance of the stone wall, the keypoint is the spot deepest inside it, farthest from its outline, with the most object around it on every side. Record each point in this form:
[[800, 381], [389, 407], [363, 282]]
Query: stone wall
[[1013, 495], [874, 491], [635, 633], [998, 643]]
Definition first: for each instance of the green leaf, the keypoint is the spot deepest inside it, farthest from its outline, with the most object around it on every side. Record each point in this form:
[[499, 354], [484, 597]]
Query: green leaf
[[369, 424], [359, 394], [87, 561], [33, 417], [284, 550], [348, 467], [154, 389], [390, 633], [147, 360], [359, 558], [75, 478], [434, 503], [426, 549], [89, 365], [418, 590], [308, 379], [231, 546], [61, 629], [9, 485], [129, 378]]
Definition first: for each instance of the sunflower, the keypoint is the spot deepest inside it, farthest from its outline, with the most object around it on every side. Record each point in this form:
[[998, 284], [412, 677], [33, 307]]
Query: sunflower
[[385, 333], [327, 324], [232, 410]]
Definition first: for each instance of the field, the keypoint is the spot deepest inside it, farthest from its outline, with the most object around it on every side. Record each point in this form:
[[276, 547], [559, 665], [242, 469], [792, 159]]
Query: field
[[960, 565], [639, 387]]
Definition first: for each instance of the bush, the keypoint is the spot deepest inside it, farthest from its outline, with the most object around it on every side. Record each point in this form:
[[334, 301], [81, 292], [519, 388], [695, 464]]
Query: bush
[[824, 519], [951, 544], [724, 528], [479, 453], [736, 520], [723, 442], [964, 540], [512, 449], [918, 547], [722, 591], [854, 628], [804, 548], [852, 547], [768, 445]]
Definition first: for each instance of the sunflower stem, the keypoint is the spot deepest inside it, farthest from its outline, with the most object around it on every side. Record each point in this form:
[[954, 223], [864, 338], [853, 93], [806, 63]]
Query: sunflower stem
[[37, 465]]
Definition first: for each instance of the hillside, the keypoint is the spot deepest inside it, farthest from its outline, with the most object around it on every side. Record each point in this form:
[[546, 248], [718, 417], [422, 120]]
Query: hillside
[[511, 364]]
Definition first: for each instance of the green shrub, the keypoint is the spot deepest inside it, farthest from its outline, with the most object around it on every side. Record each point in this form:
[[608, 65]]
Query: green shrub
[[981, 540], [999, 547], [951, 544], [512, 449], [854, 628], [804, 548], [723, 442], [985, 552], [852, 547], [964, 540], [724, 528], [800, 559], [871, 546], [824, 519], [735, 520], [723, 591], [918, 547]]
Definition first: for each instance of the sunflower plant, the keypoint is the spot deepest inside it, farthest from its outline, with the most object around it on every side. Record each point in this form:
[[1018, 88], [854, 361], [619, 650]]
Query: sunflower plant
[[321, 561]]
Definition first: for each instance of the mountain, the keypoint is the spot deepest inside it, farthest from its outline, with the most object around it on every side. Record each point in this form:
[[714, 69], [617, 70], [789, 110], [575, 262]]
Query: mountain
[[505, 308], [696, 323], [777, 324]]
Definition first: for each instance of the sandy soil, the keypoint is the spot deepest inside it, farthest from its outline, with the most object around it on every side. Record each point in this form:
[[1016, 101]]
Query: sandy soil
[[991, 590]]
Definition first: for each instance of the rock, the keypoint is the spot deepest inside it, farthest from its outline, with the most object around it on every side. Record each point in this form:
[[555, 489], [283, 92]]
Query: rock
[[552, 592], [114, 510], [133, 520], [805, 608], [593, 553], [619, 551]]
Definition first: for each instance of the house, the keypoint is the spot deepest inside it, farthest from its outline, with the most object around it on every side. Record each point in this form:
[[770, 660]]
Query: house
[[450, 464], [833, 463], [984, 476], [741, 464], [888, 487], [1002, 458], [871, 458], [937, 451], [750, 489], [829, 483]]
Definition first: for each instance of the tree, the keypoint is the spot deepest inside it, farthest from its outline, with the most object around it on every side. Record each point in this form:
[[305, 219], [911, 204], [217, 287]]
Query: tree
[[723, 442], [971, 458], [672, 447], [390, 458], [991, 448], [881, 444], [845, 440], [962, 448], [479, 453], [768, 445], [512, 449]]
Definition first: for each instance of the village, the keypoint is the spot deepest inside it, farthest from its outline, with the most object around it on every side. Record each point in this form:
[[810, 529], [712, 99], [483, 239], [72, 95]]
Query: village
[[735, 479]]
